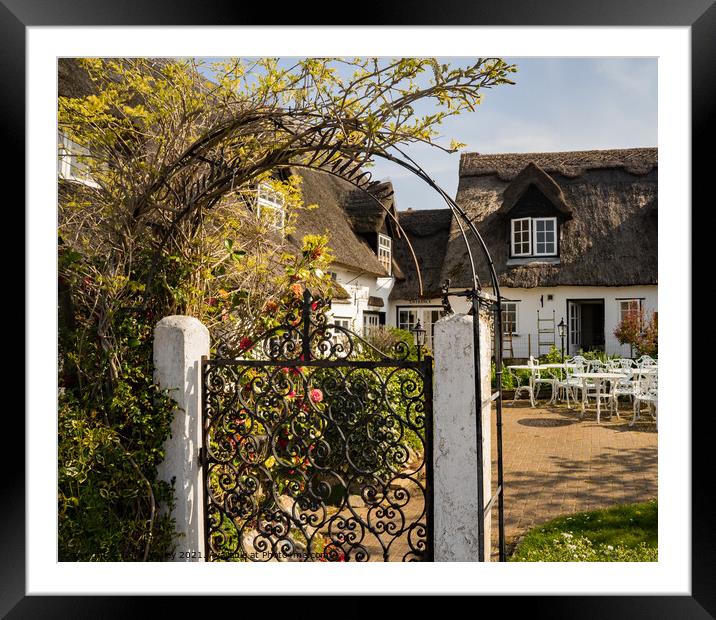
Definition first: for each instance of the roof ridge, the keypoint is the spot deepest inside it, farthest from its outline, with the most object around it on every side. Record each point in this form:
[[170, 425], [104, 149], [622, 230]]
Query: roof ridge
[[636, 160]]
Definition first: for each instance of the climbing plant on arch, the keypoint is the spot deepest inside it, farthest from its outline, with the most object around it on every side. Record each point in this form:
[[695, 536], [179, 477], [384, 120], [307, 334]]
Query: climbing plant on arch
[[174, 150]]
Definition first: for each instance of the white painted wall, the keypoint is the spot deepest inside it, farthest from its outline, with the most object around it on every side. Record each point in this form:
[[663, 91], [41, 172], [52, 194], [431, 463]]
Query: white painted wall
[[361, 287], [529, 302]]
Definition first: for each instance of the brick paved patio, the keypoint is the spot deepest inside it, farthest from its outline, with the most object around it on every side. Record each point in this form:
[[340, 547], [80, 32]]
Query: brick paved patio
[[555, 463]]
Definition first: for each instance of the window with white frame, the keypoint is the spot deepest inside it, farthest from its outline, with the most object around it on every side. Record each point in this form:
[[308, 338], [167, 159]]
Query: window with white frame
[[370, 323], [342, 322], [385, 252], [509, 317], [521, 237], [545, 236], [408, 318], [534, 236], [70, 164], [270, 206], [338, 335], [629, 306]]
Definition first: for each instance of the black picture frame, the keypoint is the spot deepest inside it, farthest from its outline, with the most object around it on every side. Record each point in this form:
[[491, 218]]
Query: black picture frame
[[700, 15]]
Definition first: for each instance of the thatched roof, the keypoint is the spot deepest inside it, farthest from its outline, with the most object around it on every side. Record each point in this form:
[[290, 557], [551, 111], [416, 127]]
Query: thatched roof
[[366, 215], [428, 231], [72, 79], [611, 239], [506, 166], [332, 194]]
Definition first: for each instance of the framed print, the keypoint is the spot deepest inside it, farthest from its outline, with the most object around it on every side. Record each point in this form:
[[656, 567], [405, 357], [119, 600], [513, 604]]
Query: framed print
[[554, 204]]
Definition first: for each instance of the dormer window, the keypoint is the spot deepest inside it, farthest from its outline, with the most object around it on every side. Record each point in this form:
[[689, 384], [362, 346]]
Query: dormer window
[[270, 206], [385, 252], [534, 236]]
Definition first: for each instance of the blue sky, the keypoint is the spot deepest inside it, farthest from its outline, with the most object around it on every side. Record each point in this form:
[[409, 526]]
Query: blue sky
[[556, 104]]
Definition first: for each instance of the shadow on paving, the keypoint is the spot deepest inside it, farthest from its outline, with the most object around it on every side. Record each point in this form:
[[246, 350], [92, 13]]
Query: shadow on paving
[[557, 463]]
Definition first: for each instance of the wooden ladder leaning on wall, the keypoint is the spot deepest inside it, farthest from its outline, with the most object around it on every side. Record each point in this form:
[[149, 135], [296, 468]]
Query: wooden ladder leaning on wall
[[546, 334]]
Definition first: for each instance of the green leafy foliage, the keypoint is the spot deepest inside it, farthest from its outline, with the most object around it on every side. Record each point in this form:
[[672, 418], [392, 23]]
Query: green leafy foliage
[[112, 423]]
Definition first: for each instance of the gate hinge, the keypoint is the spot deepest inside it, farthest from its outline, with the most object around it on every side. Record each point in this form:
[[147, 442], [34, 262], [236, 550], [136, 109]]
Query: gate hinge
[[202, 456]]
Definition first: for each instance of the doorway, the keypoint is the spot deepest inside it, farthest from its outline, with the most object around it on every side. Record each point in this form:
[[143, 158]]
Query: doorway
[[586, 325]]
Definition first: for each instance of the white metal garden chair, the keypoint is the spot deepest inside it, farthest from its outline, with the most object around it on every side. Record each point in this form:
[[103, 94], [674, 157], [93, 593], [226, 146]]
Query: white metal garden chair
[[645, 361], [613, 365], [626, 363], [569, 385], [622, 387], [646, 391], [539, 379], [597, 366], [593, 387], [527, 388]]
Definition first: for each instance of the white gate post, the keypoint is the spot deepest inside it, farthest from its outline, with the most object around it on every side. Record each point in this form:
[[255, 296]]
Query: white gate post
[[454, 439], [179, 344]]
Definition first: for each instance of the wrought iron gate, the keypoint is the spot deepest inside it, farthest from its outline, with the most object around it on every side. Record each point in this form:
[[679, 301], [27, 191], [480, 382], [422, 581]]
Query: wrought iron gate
[[318, 446]]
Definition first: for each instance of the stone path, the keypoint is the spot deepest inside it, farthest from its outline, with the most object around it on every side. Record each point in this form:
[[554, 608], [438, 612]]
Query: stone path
[[555, 463]]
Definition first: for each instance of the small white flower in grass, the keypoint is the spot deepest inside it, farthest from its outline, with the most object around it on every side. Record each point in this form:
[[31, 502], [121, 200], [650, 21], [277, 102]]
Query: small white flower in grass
[[610, 548]]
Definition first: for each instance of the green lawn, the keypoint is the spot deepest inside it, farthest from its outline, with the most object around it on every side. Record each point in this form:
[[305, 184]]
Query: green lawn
[[625, 533]]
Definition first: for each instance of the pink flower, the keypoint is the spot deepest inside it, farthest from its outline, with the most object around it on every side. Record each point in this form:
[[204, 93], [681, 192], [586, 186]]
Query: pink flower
[[314, 306], [291, 394], [316, 395]]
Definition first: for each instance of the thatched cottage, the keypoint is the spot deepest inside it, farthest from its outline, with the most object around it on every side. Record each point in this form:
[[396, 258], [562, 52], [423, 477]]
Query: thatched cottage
[[573, 236], [361, 234]]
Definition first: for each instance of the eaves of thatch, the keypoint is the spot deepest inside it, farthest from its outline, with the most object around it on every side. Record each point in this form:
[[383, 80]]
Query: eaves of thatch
[[330, 194], [428, 231], [610, 240], [367, 216]]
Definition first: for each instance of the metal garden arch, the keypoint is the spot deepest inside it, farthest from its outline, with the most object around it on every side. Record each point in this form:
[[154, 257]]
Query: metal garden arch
[[347, 169]]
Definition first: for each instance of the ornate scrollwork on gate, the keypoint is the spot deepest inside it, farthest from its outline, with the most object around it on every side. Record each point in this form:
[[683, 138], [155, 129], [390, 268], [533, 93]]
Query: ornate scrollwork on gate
[[318, 447]]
